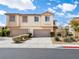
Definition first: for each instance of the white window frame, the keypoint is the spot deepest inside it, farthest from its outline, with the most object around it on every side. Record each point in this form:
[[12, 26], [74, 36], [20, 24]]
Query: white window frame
[[24, 19], [36, 20]]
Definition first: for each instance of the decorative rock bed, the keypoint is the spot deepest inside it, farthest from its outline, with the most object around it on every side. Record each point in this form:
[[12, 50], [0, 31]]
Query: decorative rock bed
[[20, 38], [65, 40]]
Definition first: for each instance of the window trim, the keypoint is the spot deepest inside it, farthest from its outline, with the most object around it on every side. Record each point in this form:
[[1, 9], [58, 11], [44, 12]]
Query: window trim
[[24, 19], [36, 18], [47, 18], [12, 18]]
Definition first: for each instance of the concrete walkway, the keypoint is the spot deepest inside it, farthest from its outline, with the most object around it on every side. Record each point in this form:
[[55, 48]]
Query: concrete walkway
[[43, 42], [39, 43]]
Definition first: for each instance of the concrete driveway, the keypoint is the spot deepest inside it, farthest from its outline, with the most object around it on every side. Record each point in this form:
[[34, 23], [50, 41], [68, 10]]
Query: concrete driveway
[[42, 42]]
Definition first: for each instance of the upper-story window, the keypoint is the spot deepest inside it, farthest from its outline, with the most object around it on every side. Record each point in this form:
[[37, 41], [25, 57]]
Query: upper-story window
[[24, 19], [47, 18], [54, 22], [12, 18], [36, 18]]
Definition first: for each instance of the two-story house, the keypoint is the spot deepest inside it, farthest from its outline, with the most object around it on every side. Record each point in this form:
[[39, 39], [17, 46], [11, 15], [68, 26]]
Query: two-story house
[[40, 25]]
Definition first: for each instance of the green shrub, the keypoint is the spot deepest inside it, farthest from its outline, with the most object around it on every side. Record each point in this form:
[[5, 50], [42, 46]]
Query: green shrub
[[57, 39], [69, 39], [70, 34], [52, 34], [0, 33], [5, 31], [59, 34], [30, 35]]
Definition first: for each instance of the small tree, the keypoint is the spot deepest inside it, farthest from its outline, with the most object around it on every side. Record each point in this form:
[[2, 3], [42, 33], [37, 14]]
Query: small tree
[[0, 32], [66, 31], [5, 31], [75, 25]]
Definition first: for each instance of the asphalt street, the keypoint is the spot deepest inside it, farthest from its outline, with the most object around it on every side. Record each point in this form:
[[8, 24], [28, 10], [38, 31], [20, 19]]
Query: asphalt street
[[27, 53]]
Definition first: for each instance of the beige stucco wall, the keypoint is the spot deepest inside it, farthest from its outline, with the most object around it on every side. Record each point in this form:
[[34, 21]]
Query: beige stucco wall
[[43, 23], [30, 21], [30, 24], [40, 23], [17, 20], [14, 24]]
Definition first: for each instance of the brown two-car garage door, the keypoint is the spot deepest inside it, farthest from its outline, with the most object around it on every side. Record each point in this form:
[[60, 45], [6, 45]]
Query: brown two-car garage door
[[42, 33], [15, 32]]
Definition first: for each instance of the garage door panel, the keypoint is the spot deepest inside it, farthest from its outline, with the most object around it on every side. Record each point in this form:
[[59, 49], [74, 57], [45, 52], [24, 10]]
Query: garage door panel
[[15, 32], [41, 33]]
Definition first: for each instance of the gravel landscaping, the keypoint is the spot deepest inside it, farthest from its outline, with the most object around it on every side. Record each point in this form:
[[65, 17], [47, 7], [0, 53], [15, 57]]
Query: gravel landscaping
[[63, 42]]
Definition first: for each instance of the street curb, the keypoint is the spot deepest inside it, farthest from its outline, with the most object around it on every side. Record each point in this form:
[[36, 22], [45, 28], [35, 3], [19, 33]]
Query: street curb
[[68, 47]]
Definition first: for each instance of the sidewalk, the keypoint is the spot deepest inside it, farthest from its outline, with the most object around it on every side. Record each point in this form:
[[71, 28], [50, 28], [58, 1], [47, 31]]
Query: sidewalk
[[42, 42]]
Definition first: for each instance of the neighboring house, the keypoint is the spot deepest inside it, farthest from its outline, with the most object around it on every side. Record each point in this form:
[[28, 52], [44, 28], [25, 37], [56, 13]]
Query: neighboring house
[[40, 25]]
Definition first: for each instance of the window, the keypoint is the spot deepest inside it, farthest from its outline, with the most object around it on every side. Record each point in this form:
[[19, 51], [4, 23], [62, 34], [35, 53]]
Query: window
[[24, 18], [47, 18], [12, 18], [36, 19], [54, 22]]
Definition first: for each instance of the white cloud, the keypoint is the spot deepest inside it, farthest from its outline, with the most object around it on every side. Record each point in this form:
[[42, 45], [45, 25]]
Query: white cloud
[[54, 7], [55, 1], [32, 0], [67, 7], [51, 10], [76, 2], [50, 0], [48, 3], [2, 12], [19, 4], [72, 15], [59, 13], [61, 24], [1, 24]]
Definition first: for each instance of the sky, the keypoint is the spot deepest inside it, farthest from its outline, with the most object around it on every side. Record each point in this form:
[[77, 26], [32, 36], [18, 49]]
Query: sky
[[63, 10]]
